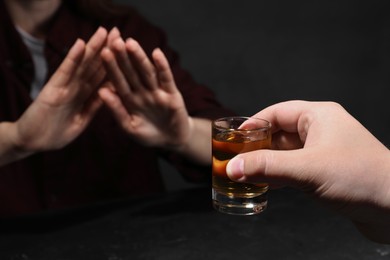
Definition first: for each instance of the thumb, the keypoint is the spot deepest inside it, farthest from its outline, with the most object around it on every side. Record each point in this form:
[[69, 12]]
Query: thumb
[[111, 99], [289, 168]]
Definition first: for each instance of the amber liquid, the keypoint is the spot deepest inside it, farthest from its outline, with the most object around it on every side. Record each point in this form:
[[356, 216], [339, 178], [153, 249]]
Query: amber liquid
[[226, 146]]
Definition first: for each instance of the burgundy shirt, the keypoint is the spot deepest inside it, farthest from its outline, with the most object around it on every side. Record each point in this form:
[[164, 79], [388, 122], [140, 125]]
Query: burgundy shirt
[[103, 162]]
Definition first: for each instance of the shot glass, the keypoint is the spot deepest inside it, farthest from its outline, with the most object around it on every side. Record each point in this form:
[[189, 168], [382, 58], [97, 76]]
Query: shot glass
[[232, 136]]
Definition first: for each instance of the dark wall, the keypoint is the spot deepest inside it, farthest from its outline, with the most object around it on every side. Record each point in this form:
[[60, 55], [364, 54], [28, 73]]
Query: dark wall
[[256, 53]]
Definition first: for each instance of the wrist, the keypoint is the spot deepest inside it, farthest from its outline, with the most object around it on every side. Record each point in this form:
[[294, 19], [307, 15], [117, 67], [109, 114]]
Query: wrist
[[181, 143], [375, 225], [11, 148], [197, 146]]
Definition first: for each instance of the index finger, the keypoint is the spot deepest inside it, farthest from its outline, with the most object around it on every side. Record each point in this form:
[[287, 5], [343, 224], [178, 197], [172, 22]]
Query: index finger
[[290, 121], [92, 50], [286, 116]]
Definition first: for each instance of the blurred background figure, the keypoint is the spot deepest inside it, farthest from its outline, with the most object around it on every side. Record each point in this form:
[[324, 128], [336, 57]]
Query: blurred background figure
[[104, 160]]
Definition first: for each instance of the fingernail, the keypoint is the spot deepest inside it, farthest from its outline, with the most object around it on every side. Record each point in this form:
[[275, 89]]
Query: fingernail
[[115, 30], [235, 169]]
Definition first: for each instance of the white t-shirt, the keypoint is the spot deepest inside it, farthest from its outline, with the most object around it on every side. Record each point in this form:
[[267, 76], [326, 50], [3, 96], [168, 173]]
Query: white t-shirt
[[36, 47]]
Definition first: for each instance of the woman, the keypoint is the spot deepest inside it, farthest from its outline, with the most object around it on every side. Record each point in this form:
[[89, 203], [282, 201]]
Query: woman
[[102, 158]]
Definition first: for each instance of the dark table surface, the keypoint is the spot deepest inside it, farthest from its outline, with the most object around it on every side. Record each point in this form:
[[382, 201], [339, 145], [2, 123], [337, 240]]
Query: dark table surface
[[183, 225]]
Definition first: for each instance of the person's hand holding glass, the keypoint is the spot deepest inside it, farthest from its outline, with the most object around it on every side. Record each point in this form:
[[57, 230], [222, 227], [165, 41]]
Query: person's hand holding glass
[[320, 148]]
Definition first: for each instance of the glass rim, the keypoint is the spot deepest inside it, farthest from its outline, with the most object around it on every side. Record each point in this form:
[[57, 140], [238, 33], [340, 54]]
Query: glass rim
[[267, 125]]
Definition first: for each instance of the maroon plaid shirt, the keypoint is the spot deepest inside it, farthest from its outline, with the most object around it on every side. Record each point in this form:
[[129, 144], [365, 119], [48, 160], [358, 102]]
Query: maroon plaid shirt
[[103, 162]]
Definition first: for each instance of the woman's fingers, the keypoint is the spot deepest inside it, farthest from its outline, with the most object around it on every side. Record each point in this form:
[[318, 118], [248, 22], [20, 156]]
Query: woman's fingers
[[130, 60], [81, 62], [115, 74], [141, 62], [113, 35], [70, 64], [164, 73], [126, 65], [92, 54], [115, 104], [79, 74]]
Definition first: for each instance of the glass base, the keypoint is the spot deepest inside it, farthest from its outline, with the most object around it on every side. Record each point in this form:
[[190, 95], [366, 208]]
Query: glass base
[[239, 205]]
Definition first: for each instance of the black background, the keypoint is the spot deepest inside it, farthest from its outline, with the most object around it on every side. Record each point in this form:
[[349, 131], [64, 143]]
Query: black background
[[257, 53]]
